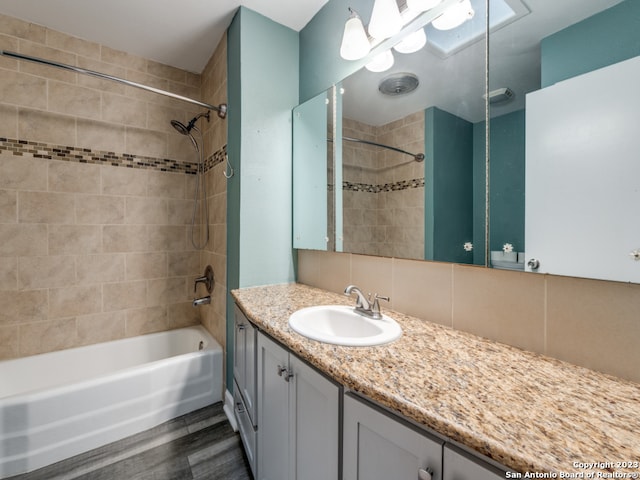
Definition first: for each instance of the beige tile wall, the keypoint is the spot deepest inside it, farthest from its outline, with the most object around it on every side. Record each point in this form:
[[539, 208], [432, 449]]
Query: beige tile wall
[[82, 262], [94, 252], [591, 323]]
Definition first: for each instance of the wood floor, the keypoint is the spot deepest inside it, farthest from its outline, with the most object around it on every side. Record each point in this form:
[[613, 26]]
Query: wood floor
[[198, 445]]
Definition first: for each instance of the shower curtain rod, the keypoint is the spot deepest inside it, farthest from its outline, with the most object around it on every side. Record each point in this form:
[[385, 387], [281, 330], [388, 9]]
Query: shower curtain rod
[[418, 157], [221, 109]]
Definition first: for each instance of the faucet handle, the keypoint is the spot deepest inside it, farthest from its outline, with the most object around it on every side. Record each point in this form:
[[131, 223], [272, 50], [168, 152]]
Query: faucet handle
[[207, 279], [376, 304]]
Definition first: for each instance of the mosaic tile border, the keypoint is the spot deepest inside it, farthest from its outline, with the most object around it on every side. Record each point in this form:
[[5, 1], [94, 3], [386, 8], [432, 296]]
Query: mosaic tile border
[[86, 155], [387, 187], [216, 158]]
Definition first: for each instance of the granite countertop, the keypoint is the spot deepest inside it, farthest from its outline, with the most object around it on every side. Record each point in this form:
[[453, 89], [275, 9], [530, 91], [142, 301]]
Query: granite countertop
[[529, 412]]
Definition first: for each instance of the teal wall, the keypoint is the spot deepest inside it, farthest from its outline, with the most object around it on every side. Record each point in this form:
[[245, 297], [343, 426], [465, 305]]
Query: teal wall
[[506, 190], [234, 87], [320, 63], [479, 197], [263, 83], [507, 174], [603, 39], [448, 186]]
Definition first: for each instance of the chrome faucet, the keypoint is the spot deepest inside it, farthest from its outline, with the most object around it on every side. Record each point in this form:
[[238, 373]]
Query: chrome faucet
[[202, 301], [365, 305], [208, 281]]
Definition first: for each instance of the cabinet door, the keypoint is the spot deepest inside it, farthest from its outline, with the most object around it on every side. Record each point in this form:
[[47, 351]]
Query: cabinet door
[[314, 423], [239, 342], [249, 389], [460, 466], [273, 411], [379, 447]]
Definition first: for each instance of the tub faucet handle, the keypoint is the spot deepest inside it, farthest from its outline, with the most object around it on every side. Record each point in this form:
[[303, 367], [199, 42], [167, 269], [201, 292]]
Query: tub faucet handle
[[207, 279]]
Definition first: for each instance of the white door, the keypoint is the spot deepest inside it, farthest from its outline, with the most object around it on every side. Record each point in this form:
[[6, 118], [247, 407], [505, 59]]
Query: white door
[[582, 203]]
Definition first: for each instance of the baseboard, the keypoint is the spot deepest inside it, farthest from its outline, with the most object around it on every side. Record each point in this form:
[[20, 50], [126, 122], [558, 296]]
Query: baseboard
[[228, 410]]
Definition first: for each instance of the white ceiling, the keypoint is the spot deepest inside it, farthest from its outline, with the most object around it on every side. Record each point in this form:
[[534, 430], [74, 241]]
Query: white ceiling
[[184, 34], [456, 84], [181, 33]]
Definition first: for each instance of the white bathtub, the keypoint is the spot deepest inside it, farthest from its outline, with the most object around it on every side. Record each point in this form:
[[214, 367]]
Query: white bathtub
[[60, 404]]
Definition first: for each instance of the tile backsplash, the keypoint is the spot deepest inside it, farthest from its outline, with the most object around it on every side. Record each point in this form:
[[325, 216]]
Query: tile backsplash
[[592, 323]]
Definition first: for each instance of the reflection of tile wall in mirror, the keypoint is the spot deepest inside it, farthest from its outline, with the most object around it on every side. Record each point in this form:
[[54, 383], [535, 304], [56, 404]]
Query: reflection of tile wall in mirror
[[383, 190]]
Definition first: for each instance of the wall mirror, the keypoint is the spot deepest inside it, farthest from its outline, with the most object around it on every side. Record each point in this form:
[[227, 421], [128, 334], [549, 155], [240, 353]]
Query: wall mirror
[[313, 212], [407, 144], [562, 131], [408, 192], [534, 45]]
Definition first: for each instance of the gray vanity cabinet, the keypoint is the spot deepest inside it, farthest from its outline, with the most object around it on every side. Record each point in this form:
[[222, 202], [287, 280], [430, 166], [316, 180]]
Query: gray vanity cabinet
[[459, 465], [245, 381], [299, 412], [244, 362], [379, 446]]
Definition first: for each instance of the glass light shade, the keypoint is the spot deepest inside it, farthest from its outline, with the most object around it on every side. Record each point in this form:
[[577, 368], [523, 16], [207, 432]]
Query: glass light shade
[[381, 62], [385, 19], [412, 43], [454, 16], [355, 43], [422, 5]]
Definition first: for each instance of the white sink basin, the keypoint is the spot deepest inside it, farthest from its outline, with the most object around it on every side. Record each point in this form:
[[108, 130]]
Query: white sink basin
[[342, 325]]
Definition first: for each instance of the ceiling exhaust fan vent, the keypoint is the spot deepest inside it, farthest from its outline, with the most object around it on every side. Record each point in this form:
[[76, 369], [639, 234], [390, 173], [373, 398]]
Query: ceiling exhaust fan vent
[[500, 95], [398, 84]]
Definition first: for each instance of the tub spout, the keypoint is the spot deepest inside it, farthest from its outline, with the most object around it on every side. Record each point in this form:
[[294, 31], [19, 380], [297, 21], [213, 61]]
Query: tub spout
[[202, 301]]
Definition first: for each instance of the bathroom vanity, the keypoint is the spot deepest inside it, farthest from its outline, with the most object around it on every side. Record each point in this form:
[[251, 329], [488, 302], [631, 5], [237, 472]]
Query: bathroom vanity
[[436, 403]]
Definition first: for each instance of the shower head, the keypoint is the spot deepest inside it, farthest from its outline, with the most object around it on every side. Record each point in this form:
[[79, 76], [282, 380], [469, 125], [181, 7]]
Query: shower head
[[186, 129], [180, 127]]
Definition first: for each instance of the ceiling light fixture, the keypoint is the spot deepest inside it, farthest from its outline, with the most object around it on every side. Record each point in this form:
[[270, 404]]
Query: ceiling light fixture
[[412, 42], [381, 62], [454, 16], [422, 5], [355, 43], [385, 19]]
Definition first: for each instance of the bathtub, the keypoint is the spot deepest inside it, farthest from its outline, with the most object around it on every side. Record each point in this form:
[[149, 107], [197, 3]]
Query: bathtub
[[56, 405]]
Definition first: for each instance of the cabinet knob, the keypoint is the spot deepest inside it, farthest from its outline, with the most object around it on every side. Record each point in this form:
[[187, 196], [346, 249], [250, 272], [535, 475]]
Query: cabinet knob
[[281, 370], [242, 326], [424, 474], [288, 375]]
